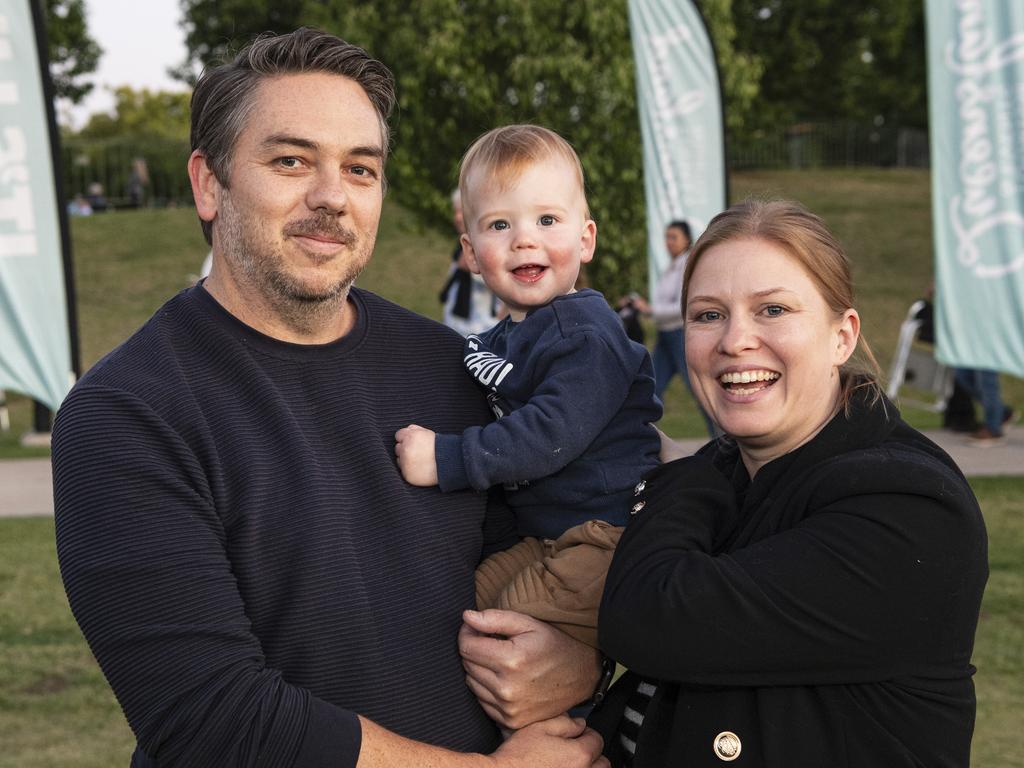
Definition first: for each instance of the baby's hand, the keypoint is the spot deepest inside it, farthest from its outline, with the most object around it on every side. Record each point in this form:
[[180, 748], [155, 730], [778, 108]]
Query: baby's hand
[[414, 448]]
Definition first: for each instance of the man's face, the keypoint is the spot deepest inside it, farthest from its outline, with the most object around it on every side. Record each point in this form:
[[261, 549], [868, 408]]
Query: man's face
[[298, 220]]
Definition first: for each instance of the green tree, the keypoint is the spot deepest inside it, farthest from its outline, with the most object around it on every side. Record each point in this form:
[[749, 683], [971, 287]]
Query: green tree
[[463, 67], [853, 60], [215, 28], [73, 53], [142, 114]]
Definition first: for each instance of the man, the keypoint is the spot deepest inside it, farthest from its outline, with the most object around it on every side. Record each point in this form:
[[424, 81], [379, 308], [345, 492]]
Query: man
[[256, 581]]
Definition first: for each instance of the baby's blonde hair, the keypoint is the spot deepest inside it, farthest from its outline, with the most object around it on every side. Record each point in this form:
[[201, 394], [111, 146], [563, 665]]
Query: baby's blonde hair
[[502, 154]]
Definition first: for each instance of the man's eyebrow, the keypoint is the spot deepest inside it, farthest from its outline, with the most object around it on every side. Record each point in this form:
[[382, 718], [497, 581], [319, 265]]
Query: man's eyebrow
[[281, 139], [284, 140]]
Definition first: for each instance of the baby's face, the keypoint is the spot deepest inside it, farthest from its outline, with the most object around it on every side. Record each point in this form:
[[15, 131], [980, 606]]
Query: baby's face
[[528, 239]]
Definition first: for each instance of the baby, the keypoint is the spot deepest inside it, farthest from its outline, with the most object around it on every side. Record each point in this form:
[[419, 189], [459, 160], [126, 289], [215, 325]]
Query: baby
[[573, 396]]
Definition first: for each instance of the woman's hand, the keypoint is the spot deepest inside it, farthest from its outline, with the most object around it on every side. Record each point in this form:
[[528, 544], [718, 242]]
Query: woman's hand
[[523, 670], [562, 742]]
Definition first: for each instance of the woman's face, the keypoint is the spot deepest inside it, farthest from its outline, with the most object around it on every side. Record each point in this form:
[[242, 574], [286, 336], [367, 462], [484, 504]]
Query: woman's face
[[763, 348], [676, 241]]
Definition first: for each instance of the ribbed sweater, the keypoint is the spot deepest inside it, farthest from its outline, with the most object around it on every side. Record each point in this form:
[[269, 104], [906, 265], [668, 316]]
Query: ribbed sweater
[[241, 552]]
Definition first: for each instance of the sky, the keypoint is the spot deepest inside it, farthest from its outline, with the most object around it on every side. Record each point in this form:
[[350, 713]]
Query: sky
[[130, 56]]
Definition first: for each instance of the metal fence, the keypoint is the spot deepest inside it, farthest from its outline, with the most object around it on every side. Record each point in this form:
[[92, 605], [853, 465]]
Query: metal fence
[[834, 144], [109, 164], [113, 170]]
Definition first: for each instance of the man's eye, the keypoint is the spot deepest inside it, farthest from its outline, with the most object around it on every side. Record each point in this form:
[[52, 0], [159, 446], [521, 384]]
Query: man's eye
[[362, 170], [546, 220], [289, 162]]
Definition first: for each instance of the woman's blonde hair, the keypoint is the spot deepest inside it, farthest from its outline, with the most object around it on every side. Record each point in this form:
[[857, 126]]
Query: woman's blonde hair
[[803, 236]]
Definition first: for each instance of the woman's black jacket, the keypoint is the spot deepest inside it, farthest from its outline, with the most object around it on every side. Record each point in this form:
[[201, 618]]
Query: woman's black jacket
[[823, 613]]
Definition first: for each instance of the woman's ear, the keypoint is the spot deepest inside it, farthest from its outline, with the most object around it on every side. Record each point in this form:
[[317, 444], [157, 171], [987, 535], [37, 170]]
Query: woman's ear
[[847, 334]]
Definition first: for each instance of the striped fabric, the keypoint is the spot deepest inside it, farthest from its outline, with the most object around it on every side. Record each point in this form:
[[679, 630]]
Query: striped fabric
[[633, 719]]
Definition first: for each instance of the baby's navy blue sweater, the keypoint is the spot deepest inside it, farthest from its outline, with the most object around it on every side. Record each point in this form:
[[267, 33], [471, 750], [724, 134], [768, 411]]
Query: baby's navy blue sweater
[[576, 404]]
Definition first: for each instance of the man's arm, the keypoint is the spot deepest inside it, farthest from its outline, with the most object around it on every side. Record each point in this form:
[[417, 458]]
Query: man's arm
[[560, 742]]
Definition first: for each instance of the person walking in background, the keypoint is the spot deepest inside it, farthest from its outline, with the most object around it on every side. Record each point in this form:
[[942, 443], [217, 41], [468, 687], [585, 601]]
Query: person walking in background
[[469, 305], [666, 309], [983, 387]]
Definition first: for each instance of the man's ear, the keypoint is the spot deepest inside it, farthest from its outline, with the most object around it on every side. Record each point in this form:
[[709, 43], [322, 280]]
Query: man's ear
[[205, 187], [469, 254]]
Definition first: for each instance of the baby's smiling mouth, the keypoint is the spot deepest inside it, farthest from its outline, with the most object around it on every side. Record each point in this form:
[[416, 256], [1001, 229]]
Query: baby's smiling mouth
[[529, 272]]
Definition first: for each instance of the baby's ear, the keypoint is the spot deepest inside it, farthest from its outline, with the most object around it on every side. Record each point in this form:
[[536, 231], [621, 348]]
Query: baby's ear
[[469, 253], [588, 241]]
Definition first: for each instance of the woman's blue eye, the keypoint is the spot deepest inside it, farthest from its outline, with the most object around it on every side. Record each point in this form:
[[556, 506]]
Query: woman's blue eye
[[774, 310], [708, 315]]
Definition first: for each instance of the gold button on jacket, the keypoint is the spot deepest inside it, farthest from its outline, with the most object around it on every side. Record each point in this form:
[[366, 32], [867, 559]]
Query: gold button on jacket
[[727, 746]]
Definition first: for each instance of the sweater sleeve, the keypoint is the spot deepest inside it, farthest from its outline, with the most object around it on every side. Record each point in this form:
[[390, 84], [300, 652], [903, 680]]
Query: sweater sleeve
[[145, 562], [582, 387], [874, 583]]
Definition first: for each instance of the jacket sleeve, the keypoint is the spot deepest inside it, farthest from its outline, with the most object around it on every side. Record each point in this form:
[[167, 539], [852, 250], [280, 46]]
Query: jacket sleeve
[[873, 583], [583, 384], [144, 560]]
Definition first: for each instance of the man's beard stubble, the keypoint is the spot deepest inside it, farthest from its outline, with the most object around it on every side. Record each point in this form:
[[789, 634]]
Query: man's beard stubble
[[301, 306]]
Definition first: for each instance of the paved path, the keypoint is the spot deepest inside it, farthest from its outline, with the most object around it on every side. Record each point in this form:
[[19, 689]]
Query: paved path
[[25, 484]]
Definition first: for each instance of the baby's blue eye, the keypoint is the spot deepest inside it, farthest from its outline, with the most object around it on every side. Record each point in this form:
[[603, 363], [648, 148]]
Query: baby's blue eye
[[499, 225], [547, 221]]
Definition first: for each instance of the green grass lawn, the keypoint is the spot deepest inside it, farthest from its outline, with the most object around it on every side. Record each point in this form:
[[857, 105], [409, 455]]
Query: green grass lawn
[[56, 709], [128, 263]]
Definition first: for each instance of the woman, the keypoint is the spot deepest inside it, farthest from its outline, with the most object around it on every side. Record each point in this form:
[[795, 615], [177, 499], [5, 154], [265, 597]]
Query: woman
[[805, 591]]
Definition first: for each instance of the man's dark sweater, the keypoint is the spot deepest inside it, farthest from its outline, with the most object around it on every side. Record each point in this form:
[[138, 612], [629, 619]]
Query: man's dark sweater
[[241, 551], [577, 403]]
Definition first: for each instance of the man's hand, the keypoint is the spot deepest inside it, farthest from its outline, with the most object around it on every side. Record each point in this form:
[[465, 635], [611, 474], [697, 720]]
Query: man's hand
[[561, 742], [414, 448], [523, 670]]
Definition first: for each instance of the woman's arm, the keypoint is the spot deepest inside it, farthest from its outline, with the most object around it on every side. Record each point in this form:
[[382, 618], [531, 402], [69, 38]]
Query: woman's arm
[[865, 586]]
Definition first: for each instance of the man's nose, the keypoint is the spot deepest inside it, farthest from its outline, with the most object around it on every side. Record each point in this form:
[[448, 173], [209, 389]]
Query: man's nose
[[328, 192]]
